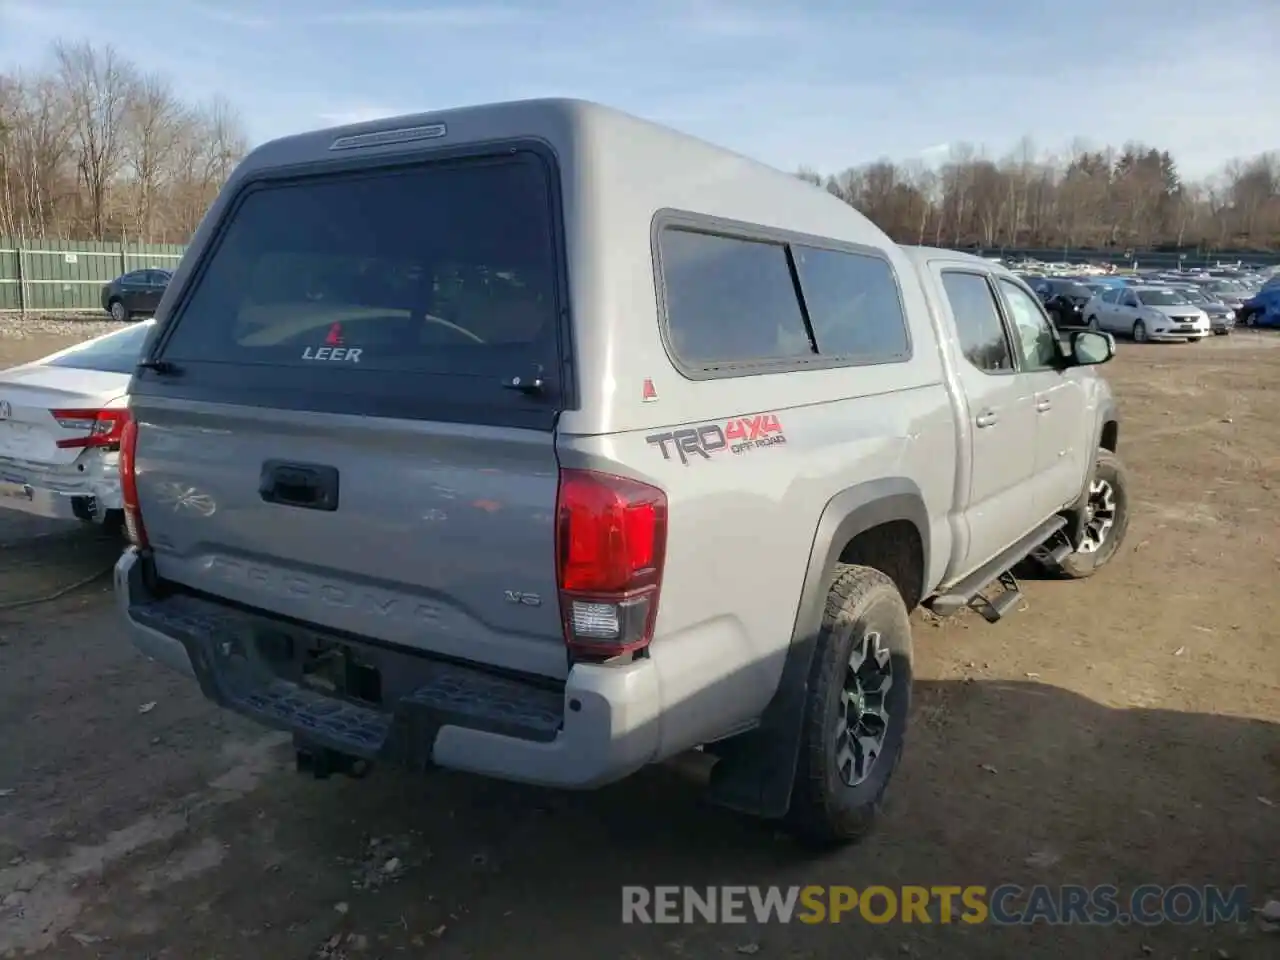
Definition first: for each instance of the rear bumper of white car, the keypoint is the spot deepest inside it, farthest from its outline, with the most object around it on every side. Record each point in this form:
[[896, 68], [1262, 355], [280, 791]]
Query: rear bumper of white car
[[85, 490]]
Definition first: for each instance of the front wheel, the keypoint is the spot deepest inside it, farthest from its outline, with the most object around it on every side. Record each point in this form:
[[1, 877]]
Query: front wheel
[[856, 715], [1093, 323], [1106, 521], [1139, 332]]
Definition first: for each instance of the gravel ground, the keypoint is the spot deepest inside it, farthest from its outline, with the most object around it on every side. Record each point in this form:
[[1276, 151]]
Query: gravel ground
[[1121, 730], [47, 333]]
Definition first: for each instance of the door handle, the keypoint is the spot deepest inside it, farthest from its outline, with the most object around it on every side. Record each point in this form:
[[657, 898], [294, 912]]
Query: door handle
[[304, 485], [987, 418], [1043, 404]]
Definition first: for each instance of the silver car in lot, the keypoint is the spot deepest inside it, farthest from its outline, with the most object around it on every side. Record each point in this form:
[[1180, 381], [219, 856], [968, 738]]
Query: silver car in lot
[[1230, 292], [1148, 313], [1222, 317]]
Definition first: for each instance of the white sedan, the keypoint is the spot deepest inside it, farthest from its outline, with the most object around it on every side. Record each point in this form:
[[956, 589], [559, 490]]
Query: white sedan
[[61, 418], [1147, 313]]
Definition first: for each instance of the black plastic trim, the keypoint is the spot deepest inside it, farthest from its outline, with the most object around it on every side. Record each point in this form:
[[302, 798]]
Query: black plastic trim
[[222, 645]]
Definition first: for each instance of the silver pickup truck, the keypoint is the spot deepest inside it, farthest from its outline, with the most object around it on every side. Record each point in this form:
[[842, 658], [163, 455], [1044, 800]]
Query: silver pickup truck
[[539, 441]]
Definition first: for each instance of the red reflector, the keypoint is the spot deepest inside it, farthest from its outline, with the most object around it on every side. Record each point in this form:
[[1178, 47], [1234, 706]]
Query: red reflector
[[334, 337], [100, 428], [611, 539]]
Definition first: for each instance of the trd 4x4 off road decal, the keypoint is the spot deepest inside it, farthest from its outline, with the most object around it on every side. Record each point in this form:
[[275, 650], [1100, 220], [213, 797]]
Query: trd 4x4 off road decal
[[737, 436]]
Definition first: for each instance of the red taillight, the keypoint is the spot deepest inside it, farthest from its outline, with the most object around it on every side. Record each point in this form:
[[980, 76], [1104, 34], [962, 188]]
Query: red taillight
[[129, 484], [611, 541], [99, 428]]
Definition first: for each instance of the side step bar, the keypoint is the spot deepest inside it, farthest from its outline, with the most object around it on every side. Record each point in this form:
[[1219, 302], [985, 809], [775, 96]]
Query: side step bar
[[969, 590]]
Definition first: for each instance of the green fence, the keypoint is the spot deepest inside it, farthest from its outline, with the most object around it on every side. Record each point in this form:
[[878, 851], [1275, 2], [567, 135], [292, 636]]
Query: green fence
[[61, 276]]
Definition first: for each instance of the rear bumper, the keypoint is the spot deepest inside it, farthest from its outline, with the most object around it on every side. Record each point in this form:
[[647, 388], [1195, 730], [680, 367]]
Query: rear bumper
[[50, 504], [63, 493], [601, 726], [1177, 335]]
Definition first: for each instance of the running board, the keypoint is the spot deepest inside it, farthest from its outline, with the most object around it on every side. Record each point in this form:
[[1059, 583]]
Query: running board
[[964, 593], [994, 608], [1050, 554]]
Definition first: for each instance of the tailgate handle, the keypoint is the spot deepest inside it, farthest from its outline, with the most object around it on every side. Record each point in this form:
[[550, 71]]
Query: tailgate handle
[[306, 485]]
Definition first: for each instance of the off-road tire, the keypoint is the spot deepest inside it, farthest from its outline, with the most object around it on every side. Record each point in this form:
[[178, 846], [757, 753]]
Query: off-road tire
[[1078, 565], [824, 810]]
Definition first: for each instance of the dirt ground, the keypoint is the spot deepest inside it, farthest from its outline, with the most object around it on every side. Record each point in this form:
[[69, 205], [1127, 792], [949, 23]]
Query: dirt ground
[[1121, 730]]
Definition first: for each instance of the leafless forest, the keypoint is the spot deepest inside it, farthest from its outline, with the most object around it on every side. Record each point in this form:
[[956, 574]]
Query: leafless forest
[[1132, 196], [94, 147]]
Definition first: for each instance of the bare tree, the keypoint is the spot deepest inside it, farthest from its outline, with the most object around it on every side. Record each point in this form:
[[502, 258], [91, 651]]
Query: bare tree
[[34, 146], [92, 148], [152, 115], [98, 85]]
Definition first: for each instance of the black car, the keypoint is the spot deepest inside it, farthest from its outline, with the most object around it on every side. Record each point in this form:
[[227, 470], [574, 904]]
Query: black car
[[1063, 298], [134, 293]]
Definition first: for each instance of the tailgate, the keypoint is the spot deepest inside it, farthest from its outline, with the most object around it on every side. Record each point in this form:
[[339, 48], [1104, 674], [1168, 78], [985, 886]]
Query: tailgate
[[413, 533], [350, 417]]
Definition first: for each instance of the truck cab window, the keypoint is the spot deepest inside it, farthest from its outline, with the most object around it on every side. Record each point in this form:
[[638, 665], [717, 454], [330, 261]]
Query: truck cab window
[[1037, 341], [982, 335]]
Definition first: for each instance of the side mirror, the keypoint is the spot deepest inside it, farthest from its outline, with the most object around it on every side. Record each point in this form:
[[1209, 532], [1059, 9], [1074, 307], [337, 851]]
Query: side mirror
[[1089, 348]]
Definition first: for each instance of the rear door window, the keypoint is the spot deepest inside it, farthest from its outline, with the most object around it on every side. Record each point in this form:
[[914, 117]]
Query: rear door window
[[395, 284]]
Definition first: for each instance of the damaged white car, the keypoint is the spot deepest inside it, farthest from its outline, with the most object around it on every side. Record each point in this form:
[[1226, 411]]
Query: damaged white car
[[61, 418]]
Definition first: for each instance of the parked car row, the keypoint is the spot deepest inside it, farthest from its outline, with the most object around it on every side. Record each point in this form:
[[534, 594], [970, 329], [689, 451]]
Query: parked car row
[[1161, 305]]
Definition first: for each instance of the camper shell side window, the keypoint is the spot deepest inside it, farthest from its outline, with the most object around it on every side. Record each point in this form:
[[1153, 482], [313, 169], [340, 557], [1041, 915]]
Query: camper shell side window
[[741, 299]]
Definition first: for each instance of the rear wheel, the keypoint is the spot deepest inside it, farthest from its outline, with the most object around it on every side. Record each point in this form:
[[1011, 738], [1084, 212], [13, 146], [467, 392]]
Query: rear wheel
[[1247, 318], [856, 716], [1107, 519], [118, 312]]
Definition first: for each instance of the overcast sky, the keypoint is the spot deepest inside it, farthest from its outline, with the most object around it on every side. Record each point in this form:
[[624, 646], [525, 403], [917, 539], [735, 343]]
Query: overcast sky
[[823, 83]]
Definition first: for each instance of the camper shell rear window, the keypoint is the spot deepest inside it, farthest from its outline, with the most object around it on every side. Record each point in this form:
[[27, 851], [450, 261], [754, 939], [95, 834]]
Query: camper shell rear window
[[416, 291]]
